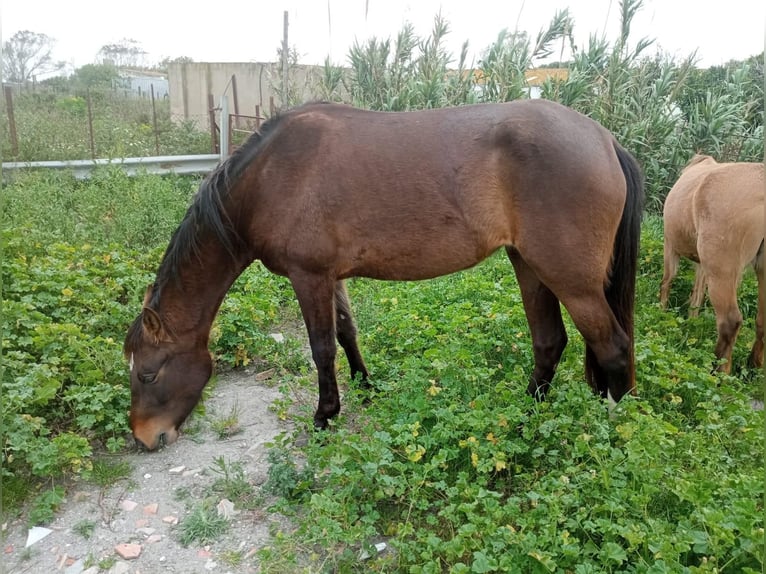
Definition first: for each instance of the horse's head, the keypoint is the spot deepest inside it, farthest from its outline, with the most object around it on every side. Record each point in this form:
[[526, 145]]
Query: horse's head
[[167, 375]]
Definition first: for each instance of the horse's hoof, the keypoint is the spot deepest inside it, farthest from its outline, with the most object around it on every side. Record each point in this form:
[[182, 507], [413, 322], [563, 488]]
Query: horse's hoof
[[320, 424]]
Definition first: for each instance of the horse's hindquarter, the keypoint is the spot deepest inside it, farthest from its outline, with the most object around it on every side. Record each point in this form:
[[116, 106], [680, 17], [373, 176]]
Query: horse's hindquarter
[[729, 206], [420, 194]]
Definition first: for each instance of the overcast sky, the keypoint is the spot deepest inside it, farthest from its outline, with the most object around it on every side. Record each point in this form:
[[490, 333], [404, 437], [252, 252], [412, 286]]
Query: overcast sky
[[237, 31]]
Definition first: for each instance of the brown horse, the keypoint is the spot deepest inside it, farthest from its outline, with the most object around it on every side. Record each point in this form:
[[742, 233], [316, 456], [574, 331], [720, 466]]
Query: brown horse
[[325, 192], [714, 215]]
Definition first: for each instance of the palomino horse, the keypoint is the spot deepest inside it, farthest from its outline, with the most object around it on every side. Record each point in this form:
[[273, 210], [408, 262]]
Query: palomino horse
[[325, 192], [714, 215]]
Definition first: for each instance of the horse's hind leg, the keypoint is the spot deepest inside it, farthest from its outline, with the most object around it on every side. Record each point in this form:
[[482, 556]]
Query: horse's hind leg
[[698, 291], [723, 296], [346, 332], [543, 312], [670, 259], [315, 295]]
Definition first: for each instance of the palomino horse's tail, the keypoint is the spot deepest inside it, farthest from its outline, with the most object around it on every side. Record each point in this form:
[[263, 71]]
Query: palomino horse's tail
[[620, 289]]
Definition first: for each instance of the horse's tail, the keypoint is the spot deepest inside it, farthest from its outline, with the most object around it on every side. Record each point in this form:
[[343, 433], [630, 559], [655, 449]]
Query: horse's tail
[[620, 288]]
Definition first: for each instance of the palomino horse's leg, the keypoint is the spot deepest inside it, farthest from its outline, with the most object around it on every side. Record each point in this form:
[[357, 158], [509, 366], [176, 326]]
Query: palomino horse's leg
[[315, 295], [543, 312], [346, 331], [722, 289], [756, 355], [671, 259], [698, 291]]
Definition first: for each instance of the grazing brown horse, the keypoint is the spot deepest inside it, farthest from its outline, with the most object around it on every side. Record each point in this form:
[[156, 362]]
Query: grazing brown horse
[[714, 215], [325, 192]]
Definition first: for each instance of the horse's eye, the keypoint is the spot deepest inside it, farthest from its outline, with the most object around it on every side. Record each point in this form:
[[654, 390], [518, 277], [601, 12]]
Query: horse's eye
[[147, 378]]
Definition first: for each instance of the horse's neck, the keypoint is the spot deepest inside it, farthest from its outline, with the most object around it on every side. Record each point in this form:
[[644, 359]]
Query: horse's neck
[[190, 302]]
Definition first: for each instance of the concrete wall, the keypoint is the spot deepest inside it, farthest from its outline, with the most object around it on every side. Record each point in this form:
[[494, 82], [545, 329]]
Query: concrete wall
[[191, 83]]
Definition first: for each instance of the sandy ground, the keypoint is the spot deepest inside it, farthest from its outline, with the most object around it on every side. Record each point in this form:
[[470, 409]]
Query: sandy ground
[[144, 511]]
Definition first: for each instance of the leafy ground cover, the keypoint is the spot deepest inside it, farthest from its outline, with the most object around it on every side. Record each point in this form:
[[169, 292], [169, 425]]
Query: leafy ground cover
[[446, 460]]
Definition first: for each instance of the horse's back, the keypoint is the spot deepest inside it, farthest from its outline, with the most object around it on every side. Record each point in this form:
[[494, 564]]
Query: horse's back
[[412, 195], [712, 199]]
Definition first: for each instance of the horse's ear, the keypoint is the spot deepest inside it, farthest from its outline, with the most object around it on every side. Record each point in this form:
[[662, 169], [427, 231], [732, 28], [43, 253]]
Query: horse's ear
[[153, 324], [148, 294]]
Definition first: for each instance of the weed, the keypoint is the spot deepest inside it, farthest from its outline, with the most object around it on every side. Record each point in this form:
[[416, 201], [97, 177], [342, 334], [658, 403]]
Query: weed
[[106, 473], [84, 528], [45, 504], [228, 425], [105, 564], [233, 484], [284, 477], [202, 525]]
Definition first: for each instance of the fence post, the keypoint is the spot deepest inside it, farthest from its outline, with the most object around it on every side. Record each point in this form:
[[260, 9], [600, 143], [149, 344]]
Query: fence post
[[225, 127], [90, 126], [11, 121], [211, 120], [236, 99], [154, 121]]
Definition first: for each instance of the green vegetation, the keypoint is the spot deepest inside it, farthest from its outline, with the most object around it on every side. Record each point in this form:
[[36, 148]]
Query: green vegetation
[[446, 459]]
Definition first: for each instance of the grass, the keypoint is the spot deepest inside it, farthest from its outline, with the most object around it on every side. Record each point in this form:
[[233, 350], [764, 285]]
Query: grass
[[227, 425], [105, 473], [84, 528], [203, 525]]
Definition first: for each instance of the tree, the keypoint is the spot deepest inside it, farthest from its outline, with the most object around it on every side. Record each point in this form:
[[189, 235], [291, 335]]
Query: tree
[[163, 64], [28, 54], [95, 75], [126, 53]]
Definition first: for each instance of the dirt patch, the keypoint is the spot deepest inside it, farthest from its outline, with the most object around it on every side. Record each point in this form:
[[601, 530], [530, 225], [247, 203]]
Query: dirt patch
[[142, 514]]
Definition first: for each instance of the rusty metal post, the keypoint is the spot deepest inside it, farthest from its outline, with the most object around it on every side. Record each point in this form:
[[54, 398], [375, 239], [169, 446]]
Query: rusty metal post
[[154, 121], [211, 120], [90, 126], [11, 121], [285, 67], [236, 99], [225, 128]]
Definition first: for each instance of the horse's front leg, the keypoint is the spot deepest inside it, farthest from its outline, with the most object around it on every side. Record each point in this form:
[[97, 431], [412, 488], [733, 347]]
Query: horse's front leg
[[315, 295]]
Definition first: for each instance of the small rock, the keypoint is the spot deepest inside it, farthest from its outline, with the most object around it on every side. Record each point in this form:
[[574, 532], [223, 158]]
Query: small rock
[[151, 508], [147, 476], [278, 337], [192, 472], [61, 562], [379, 547], [9, 549], [91, 570], [142, 523], [128, 551], [154, 538], [128, 505], [120, 568], [210, 565], [177, 469], [170, 520], [204, 553], [265, 375], [76, 567], [145, 531]]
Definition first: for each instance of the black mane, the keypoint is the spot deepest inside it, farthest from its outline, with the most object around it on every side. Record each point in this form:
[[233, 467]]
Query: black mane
[[207, 211]]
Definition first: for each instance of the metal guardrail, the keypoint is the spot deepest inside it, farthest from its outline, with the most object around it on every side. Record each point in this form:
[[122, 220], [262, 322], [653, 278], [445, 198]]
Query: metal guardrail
[[179, 164]]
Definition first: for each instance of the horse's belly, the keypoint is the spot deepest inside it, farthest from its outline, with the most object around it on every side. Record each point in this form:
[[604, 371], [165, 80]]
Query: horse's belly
[[412, 259]]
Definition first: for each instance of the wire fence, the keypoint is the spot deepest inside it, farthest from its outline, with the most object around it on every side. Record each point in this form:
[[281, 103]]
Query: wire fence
[[47, 124]]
